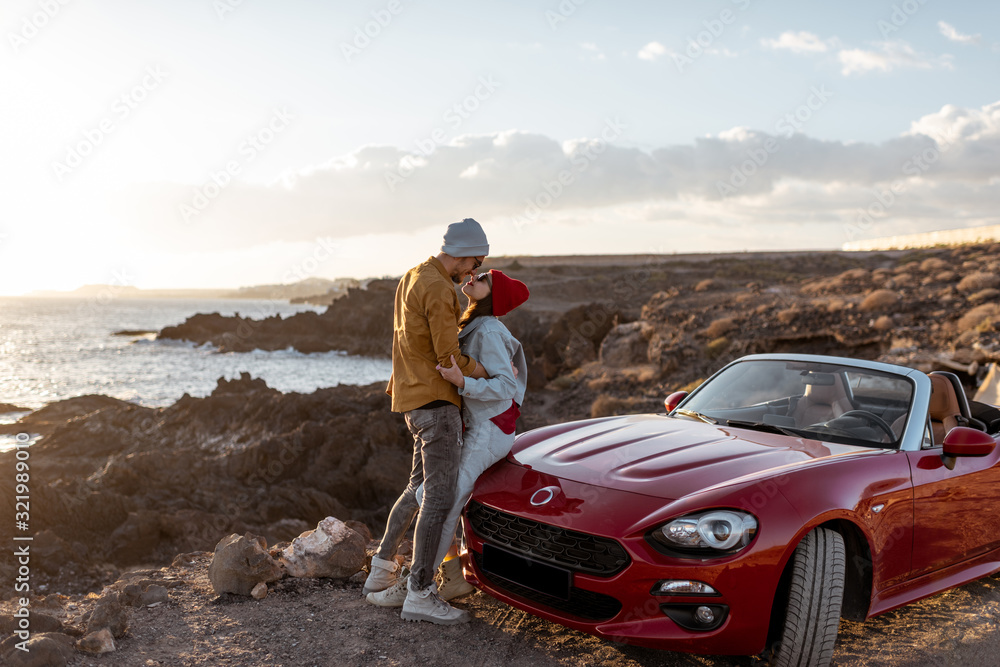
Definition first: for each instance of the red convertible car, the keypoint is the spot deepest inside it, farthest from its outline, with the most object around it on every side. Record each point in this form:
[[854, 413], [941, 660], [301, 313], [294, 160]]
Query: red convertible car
[[783, 493]]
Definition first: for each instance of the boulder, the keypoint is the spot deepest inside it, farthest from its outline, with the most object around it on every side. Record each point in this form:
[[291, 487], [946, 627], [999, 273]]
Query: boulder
[[52, 551], [360, 528], [97, 642], [627, 345], [259, 591], [978, 280], [40, 622], [575, 338], [331, 550], [240, 563], [110, 612], [47, 649], [137, 537], [880, 299]]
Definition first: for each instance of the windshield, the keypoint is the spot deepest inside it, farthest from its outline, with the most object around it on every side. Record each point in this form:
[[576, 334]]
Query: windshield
[[832, 402]]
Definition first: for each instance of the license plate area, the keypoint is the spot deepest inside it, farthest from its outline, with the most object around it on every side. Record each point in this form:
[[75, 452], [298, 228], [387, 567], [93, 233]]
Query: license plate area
[[538, 576]]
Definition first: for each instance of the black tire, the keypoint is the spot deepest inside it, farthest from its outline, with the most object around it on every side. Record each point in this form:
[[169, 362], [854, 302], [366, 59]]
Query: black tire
[[815, 594]]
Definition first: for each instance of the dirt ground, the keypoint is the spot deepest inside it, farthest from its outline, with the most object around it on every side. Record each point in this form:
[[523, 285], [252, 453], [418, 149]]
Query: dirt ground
[[321, 622]]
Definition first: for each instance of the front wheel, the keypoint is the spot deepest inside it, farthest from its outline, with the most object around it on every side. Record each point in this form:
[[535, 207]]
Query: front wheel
[[815, 594]]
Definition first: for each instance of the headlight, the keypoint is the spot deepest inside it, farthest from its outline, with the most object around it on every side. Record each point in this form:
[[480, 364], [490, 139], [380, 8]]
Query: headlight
[[717, 530]]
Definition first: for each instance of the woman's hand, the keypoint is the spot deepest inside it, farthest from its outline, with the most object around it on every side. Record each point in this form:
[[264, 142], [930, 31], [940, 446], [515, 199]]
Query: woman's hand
[[453, 374]]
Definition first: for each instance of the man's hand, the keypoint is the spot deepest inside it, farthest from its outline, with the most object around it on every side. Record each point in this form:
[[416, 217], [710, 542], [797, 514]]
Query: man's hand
[[452, 374]]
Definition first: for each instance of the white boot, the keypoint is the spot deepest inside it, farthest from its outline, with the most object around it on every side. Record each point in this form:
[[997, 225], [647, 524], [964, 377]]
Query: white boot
[[453, 583], [381, 575], [394, 596], [427, 605]]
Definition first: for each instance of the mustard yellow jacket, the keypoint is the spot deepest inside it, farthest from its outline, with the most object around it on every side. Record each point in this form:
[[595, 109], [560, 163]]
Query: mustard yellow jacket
[[425, 334]]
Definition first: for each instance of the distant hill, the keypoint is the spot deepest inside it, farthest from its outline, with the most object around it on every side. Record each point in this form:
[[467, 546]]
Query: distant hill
[[303, 291], [309, 290]]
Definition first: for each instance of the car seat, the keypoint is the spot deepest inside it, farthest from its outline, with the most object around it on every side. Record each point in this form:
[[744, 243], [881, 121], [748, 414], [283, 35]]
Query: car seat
[[821, 403]]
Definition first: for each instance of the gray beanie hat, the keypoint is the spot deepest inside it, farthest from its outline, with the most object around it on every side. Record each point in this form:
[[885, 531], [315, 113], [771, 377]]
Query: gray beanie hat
[[465, 239]]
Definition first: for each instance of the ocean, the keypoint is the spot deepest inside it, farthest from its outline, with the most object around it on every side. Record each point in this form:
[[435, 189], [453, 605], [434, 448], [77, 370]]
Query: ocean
[[53, 348]]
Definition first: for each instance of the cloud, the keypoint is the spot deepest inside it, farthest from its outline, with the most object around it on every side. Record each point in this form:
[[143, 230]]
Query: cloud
[[887, 57], [971, 127], [652, 51], [797, 42], [723, 52], [947, 159], [954, 35], [593, 52]]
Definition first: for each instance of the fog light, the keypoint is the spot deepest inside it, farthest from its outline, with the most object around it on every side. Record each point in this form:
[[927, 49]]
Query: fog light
[[704, 615], [682, 587], [696, 617]]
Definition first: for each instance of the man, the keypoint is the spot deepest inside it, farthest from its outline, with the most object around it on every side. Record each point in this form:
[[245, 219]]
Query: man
[[425, 334]]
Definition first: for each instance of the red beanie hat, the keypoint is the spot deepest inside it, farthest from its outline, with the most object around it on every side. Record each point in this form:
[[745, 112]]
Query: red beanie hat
[[508, 293]]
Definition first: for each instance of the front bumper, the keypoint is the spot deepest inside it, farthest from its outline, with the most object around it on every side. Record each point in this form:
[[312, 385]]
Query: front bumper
[[617, 603]]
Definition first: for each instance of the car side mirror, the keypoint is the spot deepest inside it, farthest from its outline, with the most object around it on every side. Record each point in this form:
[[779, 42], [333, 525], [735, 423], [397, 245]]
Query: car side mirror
[[965, 441], [674, 399]]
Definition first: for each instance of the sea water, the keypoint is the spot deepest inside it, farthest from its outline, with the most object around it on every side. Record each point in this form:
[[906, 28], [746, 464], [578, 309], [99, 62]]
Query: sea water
[[56, 348]]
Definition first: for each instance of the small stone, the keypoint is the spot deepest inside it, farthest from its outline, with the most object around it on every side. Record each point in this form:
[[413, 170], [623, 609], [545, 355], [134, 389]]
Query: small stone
[[97, 642], [131, 595], [154, 595], [109, 612], [259, 591], [883, 323]]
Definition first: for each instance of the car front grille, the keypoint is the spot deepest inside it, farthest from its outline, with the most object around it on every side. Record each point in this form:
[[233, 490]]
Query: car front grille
[[581, 603], [578, 552]]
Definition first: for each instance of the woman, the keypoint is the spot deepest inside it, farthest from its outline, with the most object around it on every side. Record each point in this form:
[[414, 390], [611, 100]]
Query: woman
[[489, 410], [490, 405]]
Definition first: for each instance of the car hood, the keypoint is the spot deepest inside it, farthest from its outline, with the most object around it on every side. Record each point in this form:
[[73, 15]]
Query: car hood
[[667, 457]]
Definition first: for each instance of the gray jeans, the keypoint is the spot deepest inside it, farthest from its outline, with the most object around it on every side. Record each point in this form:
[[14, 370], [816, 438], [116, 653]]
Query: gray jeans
[[485, 444], [437, 447]]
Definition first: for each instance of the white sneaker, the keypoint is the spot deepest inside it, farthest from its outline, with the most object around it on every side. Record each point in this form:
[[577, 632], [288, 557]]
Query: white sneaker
[[453, 583], [381, 576], [394, 596], [427, 605]]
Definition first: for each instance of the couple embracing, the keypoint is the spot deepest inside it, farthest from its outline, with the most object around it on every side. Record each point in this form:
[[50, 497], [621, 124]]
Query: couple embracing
[[451, 371]]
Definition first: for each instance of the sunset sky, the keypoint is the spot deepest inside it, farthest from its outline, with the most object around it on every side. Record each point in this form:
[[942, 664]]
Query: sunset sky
[[220, 143]]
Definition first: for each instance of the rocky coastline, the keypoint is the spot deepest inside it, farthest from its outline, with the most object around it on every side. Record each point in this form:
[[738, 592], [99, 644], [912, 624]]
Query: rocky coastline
[[116, 486]]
